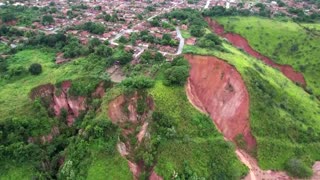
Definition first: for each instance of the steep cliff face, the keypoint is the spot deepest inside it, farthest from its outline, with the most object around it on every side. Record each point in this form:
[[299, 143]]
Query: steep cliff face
[[216, 88], [58, 99], [242, 43]]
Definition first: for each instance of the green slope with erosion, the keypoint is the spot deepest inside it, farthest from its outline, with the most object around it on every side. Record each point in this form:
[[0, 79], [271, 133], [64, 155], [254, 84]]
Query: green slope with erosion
[[283, 117], [284, 42], [21, 118], [198, 150]]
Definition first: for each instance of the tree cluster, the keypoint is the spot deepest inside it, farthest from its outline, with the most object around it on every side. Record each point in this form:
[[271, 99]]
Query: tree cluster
[[178, 72], [92, 27]]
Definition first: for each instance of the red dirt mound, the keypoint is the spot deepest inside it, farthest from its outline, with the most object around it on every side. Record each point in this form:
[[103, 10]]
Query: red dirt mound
[[217, 88], [242, 43]]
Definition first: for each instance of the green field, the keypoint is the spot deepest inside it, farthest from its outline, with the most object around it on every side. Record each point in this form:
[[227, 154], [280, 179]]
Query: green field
[[284, 42], [283, 117]]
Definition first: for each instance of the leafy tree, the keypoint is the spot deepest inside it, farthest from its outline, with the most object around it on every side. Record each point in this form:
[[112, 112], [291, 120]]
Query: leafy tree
[[159, 57], [139, 16], [197, 31], [3, 65], [107, 17], [177, 75], [104, 51], [35, 69], [209, 41], [8, 17], [93, 43], [123, 40], [95, 28], [47, 19], [97, 8], [155, 22], [297, 168]]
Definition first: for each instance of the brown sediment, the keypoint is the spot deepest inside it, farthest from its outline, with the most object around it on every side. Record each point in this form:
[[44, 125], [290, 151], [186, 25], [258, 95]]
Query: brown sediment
[[217, 88], [240, 42]]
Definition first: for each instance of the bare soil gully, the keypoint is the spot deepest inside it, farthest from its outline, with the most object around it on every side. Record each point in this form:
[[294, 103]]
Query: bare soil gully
[[216, 88], [242, 43], [123, 111]]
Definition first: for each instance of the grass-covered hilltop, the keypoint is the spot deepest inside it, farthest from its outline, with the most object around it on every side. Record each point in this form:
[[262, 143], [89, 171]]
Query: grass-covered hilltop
[[155, 90]]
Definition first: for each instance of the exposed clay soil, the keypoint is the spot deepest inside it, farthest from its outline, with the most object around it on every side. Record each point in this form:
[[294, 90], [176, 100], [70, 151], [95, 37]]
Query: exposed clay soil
[[123, 111], [58, 99], [316, 171], [55, 99], [242, 43], [217, 88]]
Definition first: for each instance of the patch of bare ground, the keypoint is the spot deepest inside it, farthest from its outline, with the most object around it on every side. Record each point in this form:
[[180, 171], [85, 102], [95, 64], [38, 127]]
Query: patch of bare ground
[[116, 73]]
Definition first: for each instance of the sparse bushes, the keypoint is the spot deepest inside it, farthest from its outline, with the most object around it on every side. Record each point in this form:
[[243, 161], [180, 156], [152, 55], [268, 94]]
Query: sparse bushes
[[35, 69]]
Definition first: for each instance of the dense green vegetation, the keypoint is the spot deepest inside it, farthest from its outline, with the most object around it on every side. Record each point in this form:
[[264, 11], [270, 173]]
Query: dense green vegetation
[[25, 16], [92, 27], [284, 42], [177, 72]]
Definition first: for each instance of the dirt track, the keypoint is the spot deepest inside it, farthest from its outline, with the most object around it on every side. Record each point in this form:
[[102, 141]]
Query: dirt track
[[242, 43]]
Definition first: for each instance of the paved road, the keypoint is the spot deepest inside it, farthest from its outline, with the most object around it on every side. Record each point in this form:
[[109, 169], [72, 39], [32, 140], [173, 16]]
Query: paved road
[[181, 43], [207, 4]]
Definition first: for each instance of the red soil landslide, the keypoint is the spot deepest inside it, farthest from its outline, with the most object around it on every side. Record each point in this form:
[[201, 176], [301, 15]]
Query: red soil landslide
[[216, 88], [242, 43]]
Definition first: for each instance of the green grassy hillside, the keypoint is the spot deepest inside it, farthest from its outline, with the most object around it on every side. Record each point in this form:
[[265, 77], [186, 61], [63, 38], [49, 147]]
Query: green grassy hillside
[[284, 42], [89, 158], [198, 148], [283, 117]]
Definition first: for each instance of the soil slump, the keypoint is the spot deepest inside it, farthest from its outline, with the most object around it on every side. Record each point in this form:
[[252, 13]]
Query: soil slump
[[123, 111], [242, 43], [217, 88]]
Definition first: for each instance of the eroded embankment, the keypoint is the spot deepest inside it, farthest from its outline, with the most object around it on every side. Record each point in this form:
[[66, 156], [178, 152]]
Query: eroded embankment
[[57, 99], [123, 111], [242, 43], [216, 88]]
